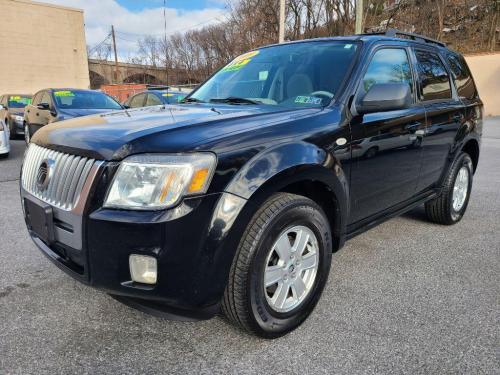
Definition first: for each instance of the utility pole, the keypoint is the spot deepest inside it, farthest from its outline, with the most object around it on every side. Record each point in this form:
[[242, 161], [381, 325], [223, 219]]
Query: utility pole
[[116, 56], [359, 17], [165, 37], [282, 21]]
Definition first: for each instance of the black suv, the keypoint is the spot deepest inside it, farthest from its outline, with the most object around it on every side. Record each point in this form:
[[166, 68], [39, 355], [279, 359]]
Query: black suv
[[235, 199]]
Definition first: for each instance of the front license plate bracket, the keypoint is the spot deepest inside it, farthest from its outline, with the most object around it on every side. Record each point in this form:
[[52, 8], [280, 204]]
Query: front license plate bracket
[[40, 220]]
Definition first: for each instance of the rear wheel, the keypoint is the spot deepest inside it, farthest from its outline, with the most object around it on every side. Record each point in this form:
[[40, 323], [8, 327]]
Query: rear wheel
[[449, 207], [280, 268]]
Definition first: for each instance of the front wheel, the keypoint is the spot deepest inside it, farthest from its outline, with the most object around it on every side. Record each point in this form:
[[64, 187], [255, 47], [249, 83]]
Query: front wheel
[[449, 207], [280, 268]]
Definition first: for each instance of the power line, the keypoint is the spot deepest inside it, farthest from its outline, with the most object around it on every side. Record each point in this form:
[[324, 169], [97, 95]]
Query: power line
[[91, 50], [171, 32]]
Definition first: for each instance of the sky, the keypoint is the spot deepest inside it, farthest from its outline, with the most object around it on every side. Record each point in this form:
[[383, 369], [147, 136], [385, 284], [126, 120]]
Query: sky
[[134, 19]]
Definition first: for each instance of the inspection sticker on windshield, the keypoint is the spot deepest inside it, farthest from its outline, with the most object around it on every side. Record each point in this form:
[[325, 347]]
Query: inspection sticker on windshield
[[240, 62], [64, 93], [307, 100]]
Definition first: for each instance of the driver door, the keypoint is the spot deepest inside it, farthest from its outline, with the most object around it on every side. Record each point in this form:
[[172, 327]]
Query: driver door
[[386, 152]]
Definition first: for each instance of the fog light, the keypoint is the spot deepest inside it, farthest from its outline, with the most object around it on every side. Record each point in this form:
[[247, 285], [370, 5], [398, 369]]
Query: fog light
[[143, 269]]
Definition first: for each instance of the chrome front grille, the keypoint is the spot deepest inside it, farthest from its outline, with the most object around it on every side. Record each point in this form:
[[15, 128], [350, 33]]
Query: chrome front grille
[[67, 176]]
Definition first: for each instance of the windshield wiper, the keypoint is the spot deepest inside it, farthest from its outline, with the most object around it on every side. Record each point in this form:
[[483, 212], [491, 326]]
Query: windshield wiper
[[234, 100], [191, 100]]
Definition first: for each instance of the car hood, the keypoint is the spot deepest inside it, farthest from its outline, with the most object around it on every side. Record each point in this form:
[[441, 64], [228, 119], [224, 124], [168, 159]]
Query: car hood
[[168, 129]]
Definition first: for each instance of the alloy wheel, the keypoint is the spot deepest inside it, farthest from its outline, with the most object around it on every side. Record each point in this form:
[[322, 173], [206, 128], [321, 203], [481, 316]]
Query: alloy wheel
[[291, 269], [460, 189]]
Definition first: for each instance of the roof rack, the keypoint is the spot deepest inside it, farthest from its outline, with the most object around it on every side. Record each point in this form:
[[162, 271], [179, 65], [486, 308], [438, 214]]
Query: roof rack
[[393, 33]]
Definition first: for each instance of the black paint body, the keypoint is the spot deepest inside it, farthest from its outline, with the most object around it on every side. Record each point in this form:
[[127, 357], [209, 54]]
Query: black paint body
[[260, 150]]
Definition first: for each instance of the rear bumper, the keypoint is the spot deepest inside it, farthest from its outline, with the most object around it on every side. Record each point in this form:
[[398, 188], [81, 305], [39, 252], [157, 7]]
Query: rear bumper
[[19, 125], [193, 245]]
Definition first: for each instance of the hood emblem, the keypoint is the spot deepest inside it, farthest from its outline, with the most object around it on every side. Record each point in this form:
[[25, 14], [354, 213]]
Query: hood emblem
[[44, 174]]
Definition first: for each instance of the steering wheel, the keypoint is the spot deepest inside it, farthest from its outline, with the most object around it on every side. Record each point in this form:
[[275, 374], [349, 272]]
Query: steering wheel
[[328, 94]]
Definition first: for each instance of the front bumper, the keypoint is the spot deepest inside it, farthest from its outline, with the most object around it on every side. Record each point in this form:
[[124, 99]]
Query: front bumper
[[193, 243]]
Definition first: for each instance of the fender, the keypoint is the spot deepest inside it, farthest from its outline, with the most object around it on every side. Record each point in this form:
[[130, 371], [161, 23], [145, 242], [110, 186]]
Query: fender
[[285, 164], [274, 160], [467, 132]]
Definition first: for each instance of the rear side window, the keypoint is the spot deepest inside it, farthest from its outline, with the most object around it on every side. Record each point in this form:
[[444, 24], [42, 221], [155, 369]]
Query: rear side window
[[137, 101], [462, 77], [388, 65], [434, 79]]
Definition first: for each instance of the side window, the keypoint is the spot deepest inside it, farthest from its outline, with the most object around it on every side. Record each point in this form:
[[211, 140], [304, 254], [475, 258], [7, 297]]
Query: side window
[[388, 65], [462, 77], [434, 80], [152, 100], [137, 101], [36, 98]]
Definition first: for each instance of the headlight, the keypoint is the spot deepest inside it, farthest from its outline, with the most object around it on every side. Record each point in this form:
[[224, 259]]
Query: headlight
[[151, 182]]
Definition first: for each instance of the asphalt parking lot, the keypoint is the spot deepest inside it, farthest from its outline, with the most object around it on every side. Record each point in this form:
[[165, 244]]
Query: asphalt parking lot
[[405, 297]]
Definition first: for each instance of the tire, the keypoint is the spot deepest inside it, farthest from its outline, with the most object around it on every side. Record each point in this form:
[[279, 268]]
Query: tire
[[247, 303], [443, 209]]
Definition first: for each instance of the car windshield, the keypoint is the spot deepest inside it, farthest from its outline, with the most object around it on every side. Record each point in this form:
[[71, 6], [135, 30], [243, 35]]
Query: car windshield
[[19, 101], [74, 99], [172, 97], [295, 75]]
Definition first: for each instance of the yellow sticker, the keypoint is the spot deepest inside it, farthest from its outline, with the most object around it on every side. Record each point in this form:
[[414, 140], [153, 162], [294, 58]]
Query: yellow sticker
[[240, 61], [64, 93], [168, 94], [14, 98]]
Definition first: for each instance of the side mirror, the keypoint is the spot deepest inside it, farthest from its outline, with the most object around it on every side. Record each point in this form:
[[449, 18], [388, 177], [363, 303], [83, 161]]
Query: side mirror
[[382, 97], [43, 106], [125, 106]]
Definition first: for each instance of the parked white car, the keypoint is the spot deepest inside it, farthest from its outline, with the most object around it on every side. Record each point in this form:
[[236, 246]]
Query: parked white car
[[4, 139]]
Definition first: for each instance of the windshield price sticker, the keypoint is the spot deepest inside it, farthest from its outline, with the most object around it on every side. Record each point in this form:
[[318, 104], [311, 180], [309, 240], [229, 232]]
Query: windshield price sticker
[[307, 100], [240, 62], [19, 99], [64, 93], [168, 94]]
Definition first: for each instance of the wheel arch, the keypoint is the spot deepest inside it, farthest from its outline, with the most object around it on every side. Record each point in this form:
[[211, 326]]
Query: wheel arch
[[327, 188], [471, 147]]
